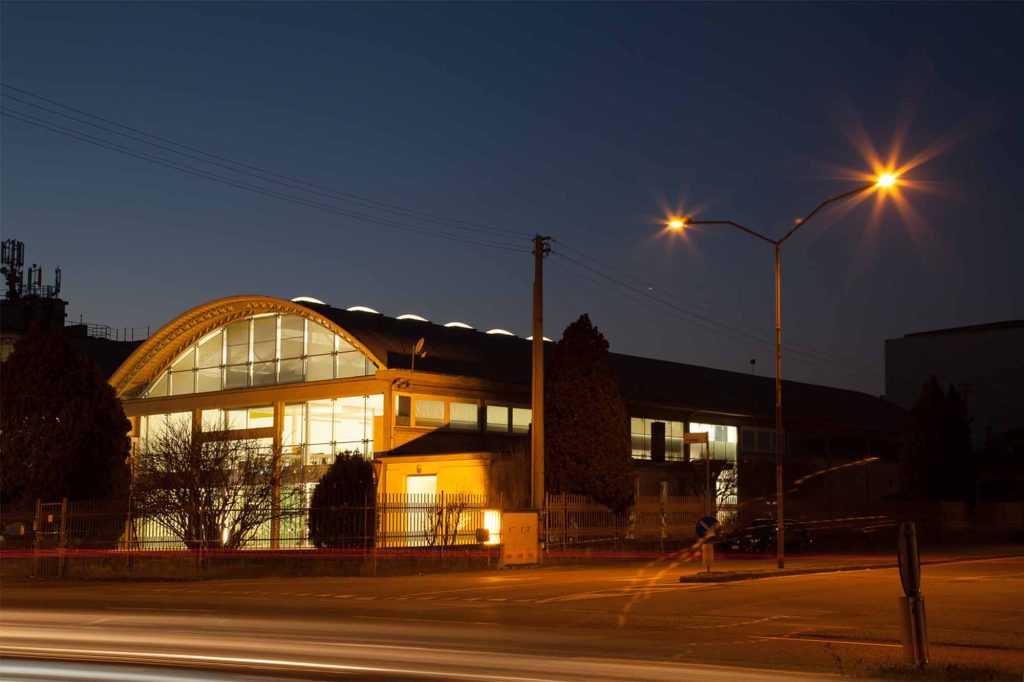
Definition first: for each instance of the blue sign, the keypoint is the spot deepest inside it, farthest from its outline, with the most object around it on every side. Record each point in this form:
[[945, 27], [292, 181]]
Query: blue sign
[[708, 527]]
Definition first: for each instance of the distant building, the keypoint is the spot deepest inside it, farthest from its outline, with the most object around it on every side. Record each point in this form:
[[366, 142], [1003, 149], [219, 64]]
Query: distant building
[[985, 362], [27, 304]]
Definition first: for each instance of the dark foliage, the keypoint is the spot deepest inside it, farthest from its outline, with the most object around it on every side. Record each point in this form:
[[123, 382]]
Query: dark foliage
[[936, 460], [586, 446], [342, 512], [63, 432]]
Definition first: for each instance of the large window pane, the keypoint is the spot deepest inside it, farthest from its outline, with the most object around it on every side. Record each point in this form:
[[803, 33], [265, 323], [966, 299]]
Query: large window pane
[[321, 421], [183, 382], [497, 418], [263, 373], [353, 425], [351, 364], [210, 353], [464, 416], [208, 379], [155, 426], [159, 388], [640, 438], [429, 412], [403, 410], [264, 338], [292, 335], [261, 417], [236, 419], [186, 360], [320, 340], [236, 376], [293, 432], [291, 371], [213, 420], [319, 367], [237, 337], [238, 333], [521, 417]]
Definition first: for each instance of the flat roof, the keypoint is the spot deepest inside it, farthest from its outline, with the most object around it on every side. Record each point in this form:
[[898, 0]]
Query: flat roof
[[970, 329]]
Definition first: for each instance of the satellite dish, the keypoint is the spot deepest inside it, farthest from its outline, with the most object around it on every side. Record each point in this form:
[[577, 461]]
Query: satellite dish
[[419, 346]]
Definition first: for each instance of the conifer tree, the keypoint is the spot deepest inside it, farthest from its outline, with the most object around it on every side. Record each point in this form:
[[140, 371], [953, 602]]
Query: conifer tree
[[63, 432], [586, 446], [342, 512]]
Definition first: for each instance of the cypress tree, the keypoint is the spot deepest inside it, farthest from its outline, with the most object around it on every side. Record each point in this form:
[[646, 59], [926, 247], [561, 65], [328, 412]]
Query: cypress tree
[[63, 432], [586, 448]]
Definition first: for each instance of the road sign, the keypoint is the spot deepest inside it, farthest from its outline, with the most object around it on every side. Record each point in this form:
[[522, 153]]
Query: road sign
[[708, 527]]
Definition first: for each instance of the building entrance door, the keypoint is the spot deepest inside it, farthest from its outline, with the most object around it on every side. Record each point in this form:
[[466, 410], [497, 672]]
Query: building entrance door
[[421, 501]]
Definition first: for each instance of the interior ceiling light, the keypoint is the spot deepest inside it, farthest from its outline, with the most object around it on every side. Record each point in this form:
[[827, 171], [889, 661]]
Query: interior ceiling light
[[458, 325], [362, 309], [307, 299], [502, 332], [410, 316]]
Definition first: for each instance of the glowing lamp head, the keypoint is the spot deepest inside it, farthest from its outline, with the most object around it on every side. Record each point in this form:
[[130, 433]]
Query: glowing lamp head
[[886, 180], [678, 223]]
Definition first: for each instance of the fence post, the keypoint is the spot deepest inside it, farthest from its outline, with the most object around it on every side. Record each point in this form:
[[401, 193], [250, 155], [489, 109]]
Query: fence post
[[63, 537], [37, 526]]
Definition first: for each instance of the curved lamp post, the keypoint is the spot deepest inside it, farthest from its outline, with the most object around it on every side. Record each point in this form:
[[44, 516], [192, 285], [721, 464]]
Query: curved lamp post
[[883, 182]]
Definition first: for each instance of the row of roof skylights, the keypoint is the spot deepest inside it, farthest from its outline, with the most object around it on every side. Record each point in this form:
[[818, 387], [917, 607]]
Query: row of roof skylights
[[410, 316]]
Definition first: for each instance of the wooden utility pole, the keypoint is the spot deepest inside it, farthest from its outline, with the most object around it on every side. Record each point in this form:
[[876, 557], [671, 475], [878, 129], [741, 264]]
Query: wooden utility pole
[[541, 248]]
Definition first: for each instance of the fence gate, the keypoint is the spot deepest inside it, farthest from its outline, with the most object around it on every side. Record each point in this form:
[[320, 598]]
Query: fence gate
[[50, 525]]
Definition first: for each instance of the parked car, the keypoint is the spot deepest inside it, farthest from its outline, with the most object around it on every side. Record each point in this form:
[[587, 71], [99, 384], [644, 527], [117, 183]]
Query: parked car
[[759, 537]]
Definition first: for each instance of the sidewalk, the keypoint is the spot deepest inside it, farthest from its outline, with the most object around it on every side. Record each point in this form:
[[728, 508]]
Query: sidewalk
[[733, 567]]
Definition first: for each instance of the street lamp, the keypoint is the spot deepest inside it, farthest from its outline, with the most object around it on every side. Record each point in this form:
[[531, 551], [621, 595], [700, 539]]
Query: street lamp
[[883, 182]]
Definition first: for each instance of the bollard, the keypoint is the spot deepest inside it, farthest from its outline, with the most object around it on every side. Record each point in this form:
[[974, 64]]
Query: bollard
[[707, 553], [913, 628]]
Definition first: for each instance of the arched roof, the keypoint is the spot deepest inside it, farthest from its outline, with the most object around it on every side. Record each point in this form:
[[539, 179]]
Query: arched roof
[[159, 350]]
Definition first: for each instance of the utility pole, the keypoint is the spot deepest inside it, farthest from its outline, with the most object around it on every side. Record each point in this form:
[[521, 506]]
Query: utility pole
[[541, 247], [780, 519]]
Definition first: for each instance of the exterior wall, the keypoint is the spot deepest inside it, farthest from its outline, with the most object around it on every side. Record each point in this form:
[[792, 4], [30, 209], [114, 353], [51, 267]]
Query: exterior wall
[[464, 473], [985, 364]]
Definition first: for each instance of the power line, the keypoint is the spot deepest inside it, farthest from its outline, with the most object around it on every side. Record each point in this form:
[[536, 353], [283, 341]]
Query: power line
[[191, 170], [235, 166], [491, 237], [710, 316], [671, 310]]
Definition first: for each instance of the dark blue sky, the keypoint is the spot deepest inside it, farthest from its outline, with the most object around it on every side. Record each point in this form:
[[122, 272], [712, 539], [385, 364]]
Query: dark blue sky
[[574, 120]]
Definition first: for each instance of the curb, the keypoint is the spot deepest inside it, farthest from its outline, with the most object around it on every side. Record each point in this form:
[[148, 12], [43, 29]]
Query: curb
[[732, 577]]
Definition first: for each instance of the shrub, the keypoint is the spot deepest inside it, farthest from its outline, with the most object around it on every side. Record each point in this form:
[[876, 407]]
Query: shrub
[[342, 512]]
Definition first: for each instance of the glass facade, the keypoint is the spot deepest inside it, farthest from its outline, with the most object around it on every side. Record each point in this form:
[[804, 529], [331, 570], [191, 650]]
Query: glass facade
[[317, 430], [261, 351], [156, 425], [640, 438], [722, 442]]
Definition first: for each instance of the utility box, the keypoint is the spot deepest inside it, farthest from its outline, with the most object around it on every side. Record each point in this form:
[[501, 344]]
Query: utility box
[[519, 538]]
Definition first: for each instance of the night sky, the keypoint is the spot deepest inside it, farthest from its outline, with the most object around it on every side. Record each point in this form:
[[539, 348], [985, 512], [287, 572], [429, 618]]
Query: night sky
[[583, 122]]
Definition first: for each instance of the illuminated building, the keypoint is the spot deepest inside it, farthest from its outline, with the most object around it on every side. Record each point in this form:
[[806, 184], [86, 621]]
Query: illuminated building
[[313, 380]]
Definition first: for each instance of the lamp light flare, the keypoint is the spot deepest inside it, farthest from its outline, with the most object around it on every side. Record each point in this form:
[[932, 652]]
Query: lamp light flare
[[886, 180], [677, 223]]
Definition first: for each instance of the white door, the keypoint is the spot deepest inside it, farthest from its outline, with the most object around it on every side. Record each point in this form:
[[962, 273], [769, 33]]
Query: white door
[[421, 495]]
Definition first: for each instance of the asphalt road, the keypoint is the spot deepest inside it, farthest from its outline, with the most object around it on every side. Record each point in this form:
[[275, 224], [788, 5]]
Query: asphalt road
[[622, 623]]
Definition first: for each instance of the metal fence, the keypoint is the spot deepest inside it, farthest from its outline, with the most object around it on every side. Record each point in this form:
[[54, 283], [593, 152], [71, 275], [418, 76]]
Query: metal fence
[[392, 521], [381, 522], [579, 521]]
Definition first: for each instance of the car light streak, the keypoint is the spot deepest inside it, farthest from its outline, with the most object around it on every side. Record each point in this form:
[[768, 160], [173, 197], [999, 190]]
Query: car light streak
[[272, 663]]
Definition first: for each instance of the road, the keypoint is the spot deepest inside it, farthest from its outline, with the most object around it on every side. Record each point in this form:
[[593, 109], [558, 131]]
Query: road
[[567, 623]]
